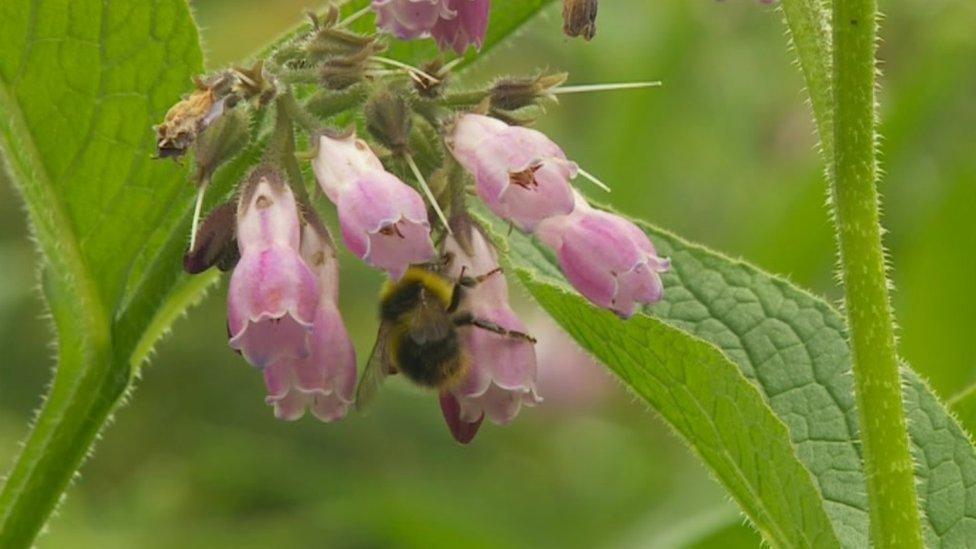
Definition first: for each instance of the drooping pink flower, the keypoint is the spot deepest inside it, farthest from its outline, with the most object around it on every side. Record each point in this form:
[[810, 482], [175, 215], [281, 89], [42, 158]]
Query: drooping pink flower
[[606, 257], [502, 368], [454, 24], [273, 295], [383, 220], [325, 380], [409, 19], [467, 27], [519, 172]]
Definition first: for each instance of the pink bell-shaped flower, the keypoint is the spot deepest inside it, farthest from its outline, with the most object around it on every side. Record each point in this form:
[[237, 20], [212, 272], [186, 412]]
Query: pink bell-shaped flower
[[325, 380], [519, 172], [383, 220], [468, 26], [409, 19], [273, 295], [454, 24], [502, 368], [606, 257]]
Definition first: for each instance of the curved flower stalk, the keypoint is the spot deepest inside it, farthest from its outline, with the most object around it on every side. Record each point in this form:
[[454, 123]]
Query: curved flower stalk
[[383, 220], [606, 257], [454, 24], [273, 294], [521, 174], [325, 380], [502, 368]]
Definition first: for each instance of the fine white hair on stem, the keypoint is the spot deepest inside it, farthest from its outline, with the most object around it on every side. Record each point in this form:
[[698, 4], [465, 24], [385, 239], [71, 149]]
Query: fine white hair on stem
[[585, 88], [427, 191], [353, 16], [593, 178], [196, 213], [409, 68]]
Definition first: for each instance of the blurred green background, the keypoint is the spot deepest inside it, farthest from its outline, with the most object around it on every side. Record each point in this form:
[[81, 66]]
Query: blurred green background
[[723, 154]]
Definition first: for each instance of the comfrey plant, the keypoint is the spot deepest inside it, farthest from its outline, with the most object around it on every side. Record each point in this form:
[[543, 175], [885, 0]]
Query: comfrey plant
[[805, 414], [446, 320]]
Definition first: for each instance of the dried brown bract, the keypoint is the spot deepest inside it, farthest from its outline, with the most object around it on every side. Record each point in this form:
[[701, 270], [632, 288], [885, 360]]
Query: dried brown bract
[[579, 18]]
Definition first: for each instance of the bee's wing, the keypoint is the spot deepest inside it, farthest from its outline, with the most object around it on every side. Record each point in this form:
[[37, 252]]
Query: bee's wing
[[378, 367]]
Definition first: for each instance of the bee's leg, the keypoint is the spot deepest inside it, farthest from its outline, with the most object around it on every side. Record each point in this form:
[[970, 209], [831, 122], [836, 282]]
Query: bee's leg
[[472, 281], [439, 263], [467, 319], [463, 282]]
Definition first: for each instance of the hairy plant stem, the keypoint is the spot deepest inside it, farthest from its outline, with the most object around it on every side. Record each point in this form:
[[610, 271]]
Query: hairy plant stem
[[463, 98], [281, 146], [893, 502]]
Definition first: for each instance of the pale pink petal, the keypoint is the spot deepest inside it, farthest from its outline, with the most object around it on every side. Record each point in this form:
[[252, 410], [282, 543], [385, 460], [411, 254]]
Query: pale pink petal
[[468, 27], [340, 161], [329, 408], [521, 174], [409, 19], [290, 407], [384, 222], [501, 406], [267, 214], [269, 285], [469, 131]]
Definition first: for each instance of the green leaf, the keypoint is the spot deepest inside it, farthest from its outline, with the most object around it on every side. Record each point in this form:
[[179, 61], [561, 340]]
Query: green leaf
[[703, 395], [81, 83], [792, 347]]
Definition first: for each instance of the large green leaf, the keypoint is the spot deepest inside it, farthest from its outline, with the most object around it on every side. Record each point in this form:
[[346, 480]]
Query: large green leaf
[[81, 83], [792, 347]]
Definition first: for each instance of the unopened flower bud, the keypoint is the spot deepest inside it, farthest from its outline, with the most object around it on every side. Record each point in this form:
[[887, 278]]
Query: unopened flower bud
[[330, 39], [579, 18], [607, 258], [220, 142], [340, 72], [519, 172], [388, 119], [272, 298], [215, 242], [511, 94], [383, 220]]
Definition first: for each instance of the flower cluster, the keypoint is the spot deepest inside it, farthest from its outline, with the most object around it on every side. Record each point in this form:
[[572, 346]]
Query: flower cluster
[[445, 318], [281, 304]]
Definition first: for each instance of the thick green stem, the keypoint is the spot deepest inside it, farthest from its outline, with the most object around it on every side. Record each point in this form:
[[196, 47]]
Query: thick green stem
[[887, 459]]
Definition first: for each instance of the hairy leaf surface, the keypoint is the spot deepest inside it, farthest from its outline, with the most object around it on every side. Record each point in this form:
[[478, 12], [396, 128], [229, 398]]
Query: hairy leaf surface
[[792, 346]]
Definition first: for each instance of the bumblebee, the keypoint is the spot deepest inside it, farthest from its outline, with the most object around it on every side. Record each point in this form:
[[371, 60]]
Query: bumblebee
[[419, 318]]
